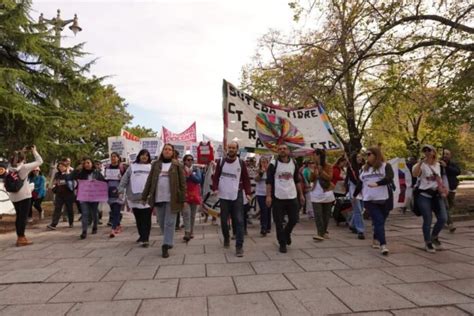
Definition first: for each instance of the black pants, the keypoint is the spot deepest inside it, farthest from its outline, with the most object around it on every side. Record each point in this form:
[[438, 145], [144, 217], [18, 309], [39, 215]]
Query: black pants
[[178, 220], [143, 220], [246, 215], [280, 209], [21, 208], [59, 202], [78, 204], [36, 203]]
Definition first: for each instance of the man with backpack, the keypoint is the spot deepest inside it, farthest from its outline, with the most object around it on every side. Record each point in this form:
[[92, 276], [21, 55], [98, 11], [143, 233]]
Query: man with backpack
[[19, 189], [229, 181], [283, 186]]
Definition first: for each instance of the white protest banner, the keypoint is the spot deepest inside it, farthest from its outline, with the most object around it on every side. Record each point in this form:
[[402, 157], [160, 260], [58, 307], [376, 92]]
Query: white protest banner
[[254, 124], [218, 146], [193, 149], [402, 179], [123, 146], [153, 145], [180, 147], [117, 144]]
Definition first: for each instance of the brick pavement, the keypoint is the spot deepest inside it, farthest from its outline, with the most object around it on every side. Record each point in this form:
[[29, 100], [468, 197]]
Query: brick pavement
[[62, 275]]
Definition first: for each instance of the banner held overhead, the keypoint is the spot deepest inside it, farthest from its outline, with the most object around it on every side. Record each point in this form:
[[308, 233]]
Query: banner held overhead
[[254, 124], [188, 135]]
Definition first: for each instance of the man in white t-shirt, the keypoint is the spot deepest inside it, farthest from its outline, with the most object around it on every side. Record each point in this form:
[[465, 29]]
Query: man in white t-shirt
[[229, 181], [283, 186]]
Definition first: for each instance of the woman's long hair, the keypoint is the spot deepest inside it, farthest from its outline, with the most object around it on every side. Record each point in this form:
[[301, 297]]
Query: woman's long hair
[[322, 156], [260, 162], [143, 152], [92, 162], [379, 158], [16, 158], [172, 147], [117, 155]]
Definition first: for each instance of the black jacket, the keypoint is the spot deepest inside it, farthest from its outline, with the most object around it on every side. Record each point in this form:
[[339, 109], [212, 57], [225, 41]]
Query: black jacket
[[452, 171]]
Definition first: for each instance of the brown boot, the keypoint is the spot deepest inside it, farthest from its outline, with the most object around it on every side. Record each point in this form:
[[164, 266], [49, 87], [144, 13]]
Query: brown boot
[[22, 241]]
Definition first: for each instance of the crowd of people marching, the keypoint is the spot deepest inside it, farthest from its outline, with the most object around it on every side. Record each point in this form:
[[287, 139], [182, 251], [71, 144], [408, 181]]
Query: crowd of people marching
[[173, 187]]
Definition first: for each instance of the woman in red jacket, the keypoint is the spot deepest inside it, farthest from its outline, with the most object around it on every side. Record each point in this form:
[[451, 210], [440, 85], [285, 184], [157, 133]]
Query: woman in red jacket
[[338, 175], [193, 195]]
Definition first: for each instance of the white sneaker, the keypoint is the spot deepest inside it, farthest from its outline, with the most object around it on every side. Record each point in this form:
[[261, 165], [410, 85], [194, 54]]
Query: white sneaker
[[384, 250], [429, 248], [318, 238], [375, 244]]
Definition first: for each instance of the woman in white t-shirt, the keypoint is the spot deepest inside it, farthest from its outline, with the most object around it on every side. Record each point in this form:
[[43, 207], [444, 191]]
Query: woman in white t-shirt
[[22, 198], [428, 199], [376, 185], [133, 182], [165, 188]]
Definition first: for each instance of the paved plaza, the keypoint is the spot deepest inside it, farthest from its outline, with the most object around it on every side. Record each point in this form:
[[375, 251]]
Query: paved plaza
[[62, 275]]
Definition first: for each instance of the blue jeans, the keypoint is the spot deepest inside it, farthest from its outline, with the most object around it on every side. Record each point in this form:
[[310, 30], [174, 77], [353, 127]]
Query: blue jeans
[[379, 214], [167, 221], [427, 206], [236, 211], [357, 221], [115, 209], [89, 209], [265, 214]]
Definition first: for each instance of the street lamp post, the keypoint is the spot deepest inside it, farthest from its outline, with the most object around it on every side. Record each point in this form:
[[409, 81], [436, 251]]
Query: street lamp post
[[58, 26]]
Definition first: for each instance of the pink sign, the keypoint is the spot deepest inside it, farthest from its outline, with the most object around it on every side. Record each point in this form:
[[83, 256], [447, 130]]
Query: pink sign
[[189, 135], [92, 191]]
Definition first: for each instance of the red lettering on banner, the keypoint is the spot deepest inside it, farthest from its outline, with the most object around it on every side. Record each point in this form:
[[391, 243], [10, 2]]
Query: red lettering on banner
[[130, 136]]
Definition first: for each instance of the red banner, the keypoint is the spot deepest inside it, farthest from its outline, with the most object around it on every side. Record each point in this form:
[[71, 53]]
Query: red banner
[[129, 136], [189, 135]]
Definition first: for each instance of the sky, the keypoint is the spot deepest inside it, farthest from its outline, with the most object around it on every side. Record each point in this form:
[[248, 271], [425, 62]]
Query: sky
[[168, 58]]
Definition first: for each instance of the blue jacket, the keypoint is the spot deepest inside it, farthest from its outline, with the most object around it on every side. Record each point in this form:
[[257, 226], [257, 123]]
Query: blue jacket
[[40, 185]]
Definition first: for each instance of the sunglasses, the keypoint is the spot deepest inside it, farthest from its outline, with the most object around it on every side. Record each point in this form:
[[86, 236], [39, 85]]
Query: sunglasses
[[189, 159], [426, 150], [368, 154]]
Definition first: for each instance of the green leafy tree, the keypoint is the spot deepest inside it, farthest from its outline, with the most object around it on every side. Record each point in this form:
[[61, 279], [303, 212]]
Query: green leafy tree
[[340, 61], [141, 131]]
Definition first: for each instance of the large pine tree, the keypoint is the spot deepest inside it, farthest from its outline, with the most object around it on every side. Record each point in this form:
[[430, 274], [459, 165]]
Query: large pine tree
[[46, 97]]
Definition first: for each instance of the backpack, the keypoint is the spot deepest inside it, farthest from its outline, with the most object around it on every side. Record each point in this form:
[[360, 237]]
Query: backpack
[[13, 182]]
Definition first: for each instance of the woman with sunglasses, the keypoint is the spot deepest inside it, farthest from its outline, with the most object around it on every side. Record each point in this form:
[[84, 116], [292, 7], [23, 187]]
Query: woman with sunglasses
[[376, 185], [193, 196], [428, 172]]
